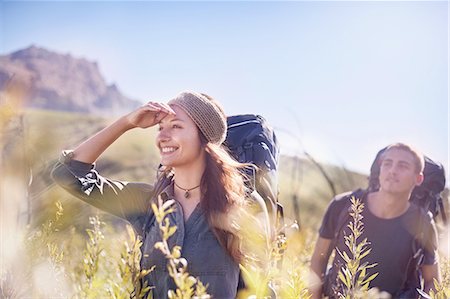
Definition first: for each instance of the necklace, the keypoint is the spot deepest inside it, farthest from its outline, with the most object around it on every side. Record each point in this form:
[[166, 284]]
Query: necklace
[[186, 191]]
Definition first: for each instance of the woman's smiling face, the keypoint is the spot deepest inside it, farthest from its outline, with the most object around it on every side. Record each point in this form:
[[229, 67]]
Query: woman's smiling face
[[178, 140]]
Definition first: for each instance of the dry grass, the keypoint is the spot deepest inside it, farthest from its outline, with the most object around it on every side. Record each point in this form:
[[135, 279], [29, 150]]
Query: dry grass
[[58, 251]]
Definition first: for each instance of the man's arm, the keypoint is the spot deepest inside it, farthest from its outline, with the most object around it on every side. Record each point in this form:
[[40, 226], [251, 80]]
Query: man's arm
[[430, 267], [319, 262], [430, 272]]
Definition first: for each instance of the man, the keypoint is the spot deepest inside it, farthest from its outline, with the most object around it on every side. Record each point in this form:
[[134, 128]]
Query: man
[[394, 227]]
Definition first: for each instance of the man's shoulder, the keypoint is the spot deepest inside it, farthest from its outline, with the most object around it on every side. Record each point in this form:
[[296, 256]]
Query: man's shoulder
[[343, 196], [420, 212], [417, 221], [341, 203], [343, 199], [421, 215]]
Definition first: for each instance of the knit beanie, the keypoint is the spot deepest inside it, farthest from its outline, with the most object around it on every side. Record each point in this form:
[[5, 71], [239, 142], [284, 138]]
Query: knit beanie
[[206, 114]]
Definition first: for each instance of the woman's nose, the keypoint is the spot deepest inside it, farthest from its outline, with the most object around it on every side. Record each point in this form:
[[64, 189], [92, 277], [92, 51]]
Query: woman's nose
[[162, 136]]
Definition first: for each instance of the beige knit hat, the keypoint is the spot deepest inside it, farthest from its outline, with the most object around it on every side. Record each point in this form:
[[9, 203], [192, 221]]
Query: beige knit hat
[[206, 114]]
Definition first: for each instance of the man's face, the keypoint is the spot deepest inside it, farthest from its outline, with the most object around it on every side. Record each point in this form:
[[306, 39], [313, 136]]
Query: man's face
[[398, 173]]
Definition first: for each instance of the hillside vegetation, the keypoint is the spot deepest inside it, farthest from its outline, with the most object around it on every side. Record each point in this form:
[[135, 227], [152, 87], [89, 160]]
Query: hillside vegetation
[[42, 134], [89, 254]]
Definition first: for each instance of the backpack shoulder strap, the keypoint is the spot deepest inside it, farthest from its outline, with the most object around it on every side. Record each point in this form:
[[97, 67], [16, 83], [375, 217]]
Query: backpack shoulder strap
[[423, 217], [412, 274], [267, 223]]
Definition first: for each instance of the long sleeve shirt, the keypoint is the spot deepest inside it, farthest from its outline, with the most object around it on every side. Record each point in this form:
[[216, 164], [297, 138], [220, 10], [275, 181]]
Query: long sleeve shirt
[[207, 259]]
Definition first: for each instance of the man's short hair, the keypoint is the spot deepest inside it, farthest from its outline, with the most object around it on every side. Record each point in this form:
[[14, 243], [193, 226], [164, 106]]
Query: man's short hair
[[419, 161]]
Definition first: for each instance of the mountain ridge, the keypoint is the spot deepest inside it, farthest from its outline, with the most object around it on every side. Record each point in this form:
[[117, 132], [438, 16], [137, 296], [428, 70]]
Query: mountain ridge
[[61, 82]]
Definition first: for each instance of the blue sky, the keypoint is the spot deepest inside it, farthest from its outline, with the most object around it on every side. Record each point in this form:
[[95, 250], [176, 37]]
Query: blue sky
[[344, 78]]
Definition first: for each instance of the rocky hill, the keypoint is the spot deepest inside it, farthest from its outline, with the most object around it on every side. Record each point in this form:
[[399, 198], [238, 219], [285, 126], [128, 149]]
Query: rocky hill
[[61, 82]]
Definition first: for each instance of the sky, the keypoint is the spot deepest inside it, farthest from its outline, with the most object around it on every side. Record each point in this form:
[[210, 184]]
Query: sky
[[339, 80]]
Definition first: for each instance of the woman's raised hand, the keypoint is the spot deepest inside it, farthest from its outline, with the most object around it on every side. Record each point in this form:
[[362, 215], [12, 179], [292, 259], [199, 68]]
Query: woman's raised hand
[[149, 114], [145, 116]]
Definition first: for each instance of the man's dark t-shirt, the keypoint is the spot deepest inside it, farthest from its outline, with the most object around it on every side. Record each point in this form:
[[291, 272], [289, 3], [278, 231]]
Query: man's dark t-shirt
[[391, 242]]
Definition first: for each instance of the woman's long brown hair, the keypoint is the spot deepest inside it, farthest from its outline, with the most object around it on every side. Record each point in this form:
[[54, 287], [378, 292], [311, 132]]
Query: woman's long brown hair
[[223, 190], [223, 193]]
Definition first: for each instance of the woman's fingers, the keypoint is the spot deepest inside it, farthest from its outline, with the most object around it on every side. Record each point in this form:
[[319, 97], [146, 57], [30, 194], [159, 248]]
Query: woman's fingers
[[153, 113], [160, 107], [152, 106], [150, 114], [159, 116], [168, 109]]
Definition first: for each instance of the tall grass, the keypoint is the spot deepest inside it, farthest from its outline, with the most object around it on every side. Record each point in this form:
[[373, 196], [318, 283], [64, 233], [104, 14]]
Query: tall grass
[[70, 251], [187, 286], [103, 262], [442, 290], [353, 278], [105, 270]]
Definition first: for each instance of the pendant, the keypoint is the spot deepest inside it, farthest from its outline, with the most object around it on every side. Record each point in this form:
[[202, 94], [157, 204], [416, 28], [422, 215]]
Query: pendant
[[186, 191]]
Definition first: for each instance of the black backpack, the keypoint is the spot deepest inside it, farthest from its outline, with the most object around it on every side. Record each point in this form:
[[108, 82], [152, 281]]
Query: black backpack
[[250, 139], [428, 194]]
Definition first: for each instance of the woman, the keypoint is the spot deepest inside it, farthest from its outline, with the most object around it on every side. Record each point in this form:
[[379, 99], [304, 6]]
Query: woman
[[198, 174]]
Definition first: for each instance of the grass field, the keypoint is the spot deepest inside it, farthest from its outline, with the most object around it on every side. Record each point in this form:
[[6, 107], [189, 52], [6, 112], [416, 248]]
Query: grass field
[[31, 142]]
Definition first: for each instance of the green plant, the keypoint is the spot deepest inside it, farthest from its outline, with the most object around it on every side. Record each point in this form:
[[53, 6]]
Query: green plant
[[44, 238], [353, 275], [273, 264], [46, 257], [294, 276], [130, 273], [93, 249], [187, 285], [441, 289], [261, 251]]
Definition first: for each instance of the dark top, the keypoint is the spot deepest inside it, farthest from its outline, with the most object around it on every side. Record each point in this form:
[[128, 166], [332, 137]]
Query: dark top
[[392, 242], [207, 259]]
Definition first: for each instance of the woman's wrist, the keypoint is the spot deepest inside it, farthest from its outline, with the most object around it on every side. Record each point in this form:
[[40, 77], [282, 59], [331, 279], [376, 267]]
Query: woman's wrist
[[125, 123]]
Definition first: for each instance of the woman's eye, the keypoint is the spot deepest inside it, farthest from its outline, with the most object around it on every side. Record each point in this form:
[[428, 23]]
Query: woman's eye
[[159, 128], [176, 127]]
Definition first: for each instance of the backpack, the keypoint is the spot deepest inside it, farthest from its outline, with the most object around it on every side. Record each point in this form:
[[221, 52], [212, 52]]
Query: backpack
[[250, 139], [428, 194]]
